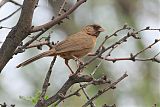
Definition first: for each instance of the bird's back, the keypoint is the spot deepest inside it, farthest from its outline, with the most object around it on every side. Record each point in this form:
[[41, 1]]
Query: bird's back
[[78, 44]]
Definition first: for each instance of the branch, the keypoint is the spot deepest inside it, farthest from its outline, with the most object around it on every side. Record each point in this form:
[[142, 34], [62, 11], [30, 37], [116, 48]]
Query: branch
[[101, 80], [45, 27], [58, 18], [62, 92], [111, 86], [12, 1], [45, 85], [134, 34], [18, 33], [10, 15], [87, 96]]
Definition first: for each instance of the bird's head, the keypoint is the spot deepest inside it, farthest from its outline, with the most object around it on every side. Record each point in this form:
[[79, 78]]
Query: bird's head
[[93, 30]]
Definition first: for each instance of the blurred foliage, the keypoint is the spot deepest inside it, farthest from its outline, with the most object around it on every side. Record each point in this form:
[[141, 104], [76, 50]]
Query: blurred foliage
[[140, 89]]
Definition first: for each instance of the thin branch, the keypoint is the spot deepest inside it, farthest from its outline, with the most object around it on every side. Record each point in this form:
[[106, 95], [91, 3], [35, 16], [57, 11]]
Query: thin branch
[[111, 86], [62, 7], [87, 96], [114, 45], [125, 27], [1, 27], [135, 59], [10, 15], [20, 48], [101, 80], [76, 93], [45, 85], [155, 42], [62, 92], [58, 18], [12, 1], [45, 27], [18, 33]]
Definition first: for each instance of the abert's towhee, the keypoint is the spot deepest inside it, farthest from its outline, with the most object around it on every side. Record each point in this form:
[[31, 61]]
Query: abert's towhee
[[74, 47]]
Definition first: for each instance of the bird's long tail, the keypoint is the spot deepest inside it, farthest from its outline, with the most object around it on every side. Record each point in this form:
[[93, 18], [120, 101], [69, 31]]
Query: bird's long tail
[[51, 52]]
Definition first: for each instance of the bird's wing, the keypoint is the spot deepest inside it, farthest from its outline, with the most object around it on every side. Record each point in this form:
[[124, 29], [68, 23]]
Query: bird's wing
[[76, 42]]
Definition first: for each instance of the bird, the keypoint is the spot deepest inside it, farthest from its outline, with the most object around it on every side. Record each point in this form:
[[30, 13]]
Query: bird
[[74, 46]]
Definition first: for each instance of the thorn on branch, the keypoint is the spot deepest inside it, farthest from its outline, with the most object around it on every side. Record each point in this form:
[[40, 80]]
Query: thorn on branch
[[48, 38], [59, 14], [64, 10], [156, 60], [114, 61], [19, 50], [135, 36], [60, 22], [117, 43], [155, 105], [12, 105], [39, 47], [67, 17], [32, 27], [61, 95], [43, 29], [53, 18], [100, 91], [113, 87], [156, 40], [106, 37], [105, 105], [132, 57], [36, 5], [125, 26], [115, 34], [128, 34], [147, 28], [77, 94], [102, 80], [3, 105], [125, 40]]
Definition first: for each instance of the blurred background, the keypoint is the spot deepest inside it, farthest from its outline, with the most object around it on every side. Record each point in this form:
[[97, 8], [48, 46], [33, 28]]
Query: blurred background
[[140, 89]]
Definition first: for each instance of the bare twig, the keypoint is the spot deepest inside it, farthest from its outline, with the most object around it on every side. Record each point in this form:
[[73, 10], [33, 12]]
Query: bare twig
[[62, 92], [45, 84], [156, 41], [114, 45], [62, 7], [5, 105], [10, 15], [133, 57], [87, 96], [18, 33], [111, 86], [45, 27], [20, 48], [125, 27], [102, 80], [12, 1], [58, 18]]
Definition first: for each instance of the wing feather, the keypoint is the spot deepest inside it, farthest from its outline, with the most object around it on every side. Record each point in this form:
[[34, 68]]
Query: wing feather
[[76, 42]]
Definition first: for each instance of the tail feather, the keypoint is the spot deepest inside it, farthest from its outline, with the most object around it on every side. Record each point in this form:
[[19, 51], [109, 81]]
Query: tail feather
[[39, 56]]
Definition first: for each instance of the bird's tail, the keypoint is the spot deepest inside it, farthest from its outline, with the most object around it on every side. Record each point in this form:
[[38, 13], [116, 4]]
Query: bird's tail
[[51, 52]]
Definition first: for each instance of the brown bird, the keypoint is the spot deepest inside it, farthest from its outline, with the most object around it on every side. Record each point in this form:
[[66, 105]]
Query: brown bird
[[74, 47]]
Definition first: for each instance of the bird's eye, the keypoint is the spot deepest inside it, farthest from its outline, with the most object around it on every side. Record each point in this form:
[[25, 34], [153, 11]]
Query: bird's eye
[[96, 27]]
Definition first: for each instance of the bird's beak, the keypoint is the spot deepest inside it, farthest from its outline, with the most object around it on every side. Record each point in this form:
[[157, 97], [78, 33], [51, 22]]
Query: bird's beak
[[101, 30]]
